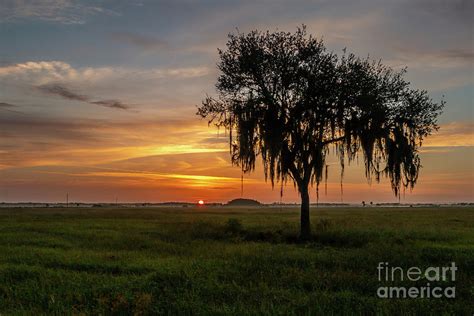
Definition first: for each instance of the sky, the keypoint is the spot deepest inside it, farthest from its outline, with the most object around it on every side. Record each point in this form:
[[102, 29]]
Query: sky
[[98, 98]]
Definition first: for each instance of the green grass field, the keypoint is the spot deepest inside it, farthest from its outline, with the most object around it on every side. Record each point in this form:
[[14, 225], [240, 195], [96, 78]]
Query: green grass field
[[222, 261]]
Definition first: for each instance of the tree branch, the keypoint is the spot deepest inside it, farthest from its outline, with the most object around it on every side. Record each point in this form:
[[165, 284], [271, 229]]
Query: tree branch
[[296, 175]]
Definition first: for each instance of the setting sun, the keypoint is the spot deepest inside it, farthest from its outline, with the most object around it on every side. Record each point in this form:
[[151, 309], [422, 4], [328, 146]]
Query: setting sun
[[201, 202]]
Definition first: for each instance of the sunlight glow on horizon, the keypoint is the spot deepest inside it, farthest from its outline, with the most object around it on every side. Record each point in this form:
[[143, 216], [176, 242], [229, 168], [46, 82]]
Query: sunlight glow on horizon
[[197, 170]]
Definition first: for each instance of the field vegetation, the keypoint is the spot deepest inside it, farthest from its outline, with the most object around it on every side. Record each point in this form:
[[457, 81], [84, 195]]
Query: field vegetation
[[227, 261]]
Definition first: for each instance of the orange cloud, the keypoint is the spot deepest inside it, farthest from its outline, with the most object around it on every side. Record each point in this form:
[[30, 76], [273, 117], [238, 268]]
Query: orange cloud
[[452, 134]]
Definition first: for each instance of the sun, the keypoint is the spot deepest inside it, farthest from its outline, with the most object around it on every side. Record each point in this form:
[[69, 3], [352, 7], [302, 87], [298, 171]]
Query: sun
[[200, 202]]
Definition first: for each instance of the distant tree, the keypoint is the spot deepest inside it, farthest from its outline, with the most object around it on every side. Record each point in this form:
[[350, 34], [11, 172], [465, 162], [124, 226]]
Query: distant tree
[[284, 97]]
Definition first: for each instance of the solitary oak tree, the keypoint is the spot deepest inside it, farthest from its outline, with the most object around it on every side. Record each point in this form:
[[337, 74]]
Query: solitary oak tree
[[284, 97]]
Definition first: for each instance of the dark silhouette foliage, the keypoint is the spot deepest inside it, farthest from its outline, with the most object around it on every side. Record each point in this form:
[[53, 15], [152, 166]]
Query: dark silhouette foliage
[[285, 97]]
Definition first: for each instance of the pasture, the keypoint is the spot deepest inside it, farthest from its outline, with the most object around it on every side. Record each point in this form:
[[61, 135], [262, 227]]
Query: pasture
[[227, 261]]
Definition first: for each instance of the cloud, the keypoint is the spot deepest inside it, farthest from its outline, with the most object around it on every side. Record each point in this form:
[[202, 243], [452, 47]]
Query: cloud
[[115, 104], [148, 88], [31, 141], [44, 72], [454, 134], [463, 54], [439, 59], [58, 89], [162, 156], [66, 93], [180, 72], [6, 105], [142, 41], [56, 11], [217, 139]]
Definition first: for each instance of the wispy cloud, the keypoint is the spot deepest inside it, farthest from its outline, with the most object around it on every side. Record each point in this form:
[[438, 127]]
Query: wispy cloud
[[56, 11], [114, 104], [454, 134], [46, 141], [43, 72], [463, 54], [66, 93], [62, 91], [6, 105], [443, 58]]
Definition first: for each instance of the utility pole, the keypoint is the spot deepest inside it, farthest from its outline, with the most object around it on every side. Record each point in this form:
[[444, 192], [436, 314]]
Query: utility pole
[[67, 199]]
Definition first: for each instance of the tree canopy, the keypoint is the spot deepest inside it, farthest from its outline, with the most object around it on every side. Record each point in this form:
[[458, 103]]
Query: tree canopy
[[285, 97]]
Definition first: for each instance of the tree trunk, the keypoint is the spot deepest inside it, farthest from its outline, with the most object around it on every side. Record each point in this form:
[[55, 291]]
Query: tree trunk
[[305, 233]]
